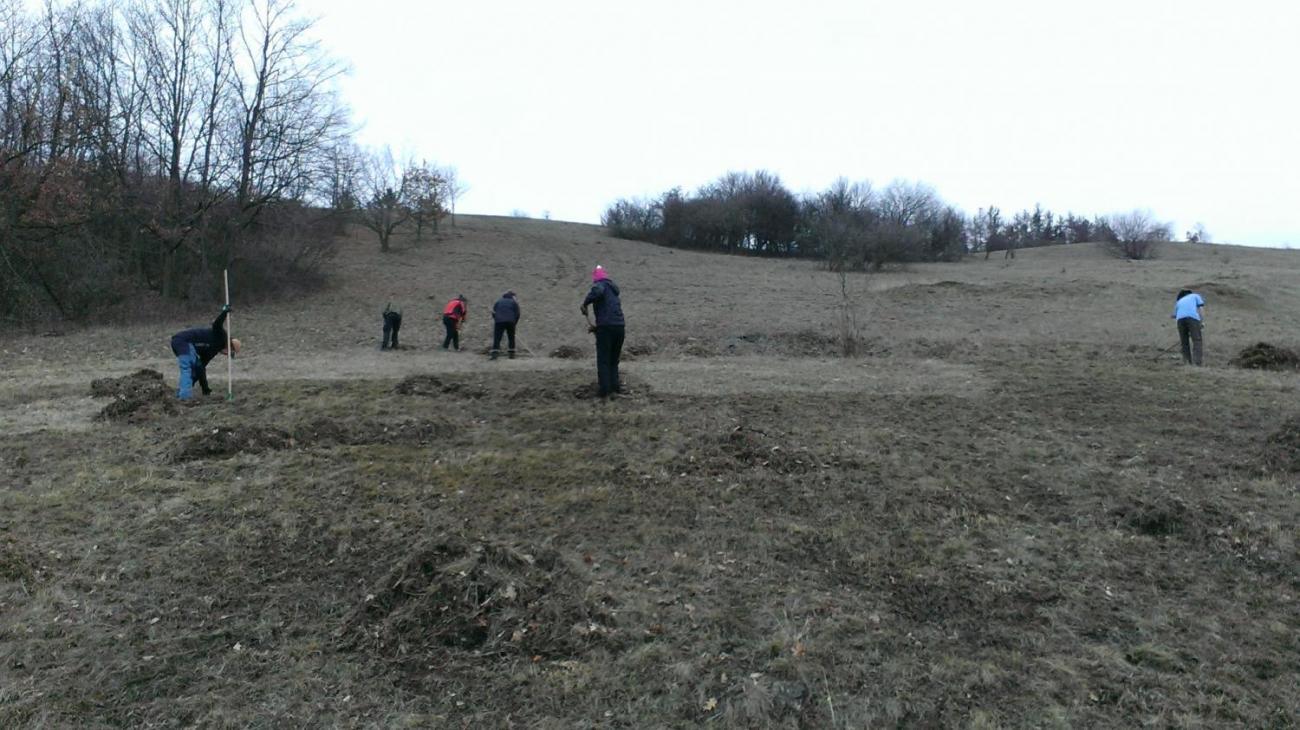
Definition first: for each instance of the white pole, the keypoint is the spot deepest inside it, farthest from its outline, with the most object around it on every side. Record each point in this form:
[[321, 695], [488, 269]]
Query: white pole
[[230, 355]]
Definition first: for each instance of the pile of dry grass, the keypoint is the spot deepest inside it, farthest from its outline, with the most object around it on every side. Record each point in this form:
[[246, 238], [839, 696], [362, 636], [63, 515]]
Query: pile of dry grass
[[18, 562], [452, 595], [140, 396], [742, 449], [568, 352], [226, 441], [360, 432], [430, 386], [1282, 449], [1266, 356]]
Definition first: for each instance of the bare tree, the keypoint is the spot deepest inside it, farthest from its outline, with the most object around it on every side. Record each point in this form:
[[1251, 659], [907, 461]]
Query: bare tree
[[283, 101], [384, 208], [1138, 235], [454, 189]]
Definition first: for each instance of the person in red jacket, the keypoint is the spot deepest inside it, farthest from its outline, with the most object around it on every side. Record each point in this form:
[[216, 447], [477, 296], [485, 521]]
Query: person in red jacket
[[453, 316]]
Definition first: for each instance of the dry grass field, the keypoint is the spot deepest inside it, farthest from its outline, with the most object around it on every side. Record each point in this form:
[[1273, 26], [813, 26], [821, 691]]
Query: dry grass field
[[1010, 510]]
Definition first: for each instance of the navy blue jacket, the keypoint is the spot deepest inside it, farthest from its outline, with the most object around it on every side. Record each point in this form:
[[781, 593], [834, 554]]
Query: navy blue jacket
[[506, 310], [604, 296]]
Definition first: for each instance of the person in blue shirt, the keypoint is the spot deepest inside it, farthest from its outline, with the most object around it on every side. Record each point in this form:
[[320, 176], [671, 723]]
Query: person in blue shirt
[[195, 348], [1189, 313]]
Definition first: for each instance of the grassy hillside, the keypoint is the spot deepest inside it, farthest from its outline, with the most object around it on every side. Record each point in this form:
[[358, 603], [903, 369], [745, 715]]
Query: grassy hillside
[[1012, 510]]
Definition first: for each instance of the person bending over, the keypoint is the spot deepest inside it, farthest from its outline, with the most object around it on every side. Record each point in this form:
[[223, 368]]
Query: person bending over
[[505, 315], [453, 316], [1189, 313], [195, 348]]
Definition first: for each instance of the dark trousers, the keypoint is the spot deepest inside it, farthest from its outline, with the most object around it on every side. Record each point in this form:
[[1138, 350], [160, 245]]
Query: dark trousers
[[453, 334], [1189, 334], [508, 329], [392, 323], [609, 348]]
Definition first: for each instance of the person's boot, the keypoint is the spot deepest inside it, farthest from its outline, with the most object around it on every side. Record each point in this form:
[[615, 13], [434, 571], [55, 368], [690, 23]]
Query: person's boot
[[511, 354], [493, 355]]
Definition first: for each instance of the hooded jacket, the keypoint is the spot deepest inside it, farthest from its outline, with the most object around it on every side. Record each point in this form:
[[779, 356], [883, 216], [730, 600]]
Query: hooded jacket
[[207, 342], [604, 298], [506, 310]]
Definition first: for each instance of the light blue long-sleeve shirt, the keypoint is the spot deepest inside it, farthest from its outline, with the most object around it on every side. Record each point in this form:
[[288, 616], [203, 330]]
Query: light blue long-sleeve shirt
[[1189, 306]]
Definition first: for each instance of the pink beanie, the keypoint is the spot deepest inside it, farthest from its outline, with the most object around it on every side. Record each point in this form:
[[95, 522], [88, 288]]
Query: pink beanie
[[598, 274]]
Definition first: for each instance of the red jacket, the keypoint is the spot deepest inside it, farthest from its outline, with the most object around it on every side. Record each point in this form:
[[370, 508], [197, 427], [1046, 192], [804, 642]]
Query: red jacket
[[455, 309]]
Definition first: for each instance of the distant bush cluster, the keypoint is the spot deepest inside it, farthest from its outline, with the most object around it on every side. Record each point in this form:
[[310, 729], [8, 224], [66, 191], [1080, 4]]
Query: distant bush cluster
[[147, 146], [854, 226]]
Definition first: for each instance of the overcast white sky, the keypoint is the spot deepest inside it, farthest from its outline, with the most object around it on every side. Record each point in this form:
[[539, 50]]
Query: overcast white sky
[[1187, 108]]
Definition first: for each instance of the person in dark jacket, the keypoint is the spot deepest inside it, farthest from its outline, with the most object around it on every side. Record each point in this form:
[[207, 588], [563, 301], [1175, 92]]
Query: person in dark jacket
[[453, 316], [609, 326], [505, 315], [195, 348], [392, 324]]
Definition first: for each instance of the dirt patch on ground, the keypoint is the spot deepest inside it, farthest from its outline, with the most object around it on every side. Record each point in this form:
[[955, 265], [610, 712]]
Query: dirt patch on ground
[[729, 376], [431, 386], [740, 449], [946, 288], [18, 562], [1266, 356], [140, 396], [568, 352], [585, 391], [960, 598], [639, 349], [803, 343], [1157, 516], [451, 596], [1223, 291], [337, 432], [1282, 450], [225, 441], [126, 385]]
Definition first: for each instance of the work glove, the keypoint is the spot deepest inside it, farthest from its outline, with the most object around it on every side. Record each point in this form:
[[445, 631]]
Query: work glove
[[225, 307]]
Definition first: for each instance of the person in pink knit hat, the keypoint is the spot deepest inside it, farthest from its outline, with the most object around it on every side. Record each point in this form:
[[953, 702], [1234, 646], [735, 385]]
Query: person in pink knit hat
[[609, 329]]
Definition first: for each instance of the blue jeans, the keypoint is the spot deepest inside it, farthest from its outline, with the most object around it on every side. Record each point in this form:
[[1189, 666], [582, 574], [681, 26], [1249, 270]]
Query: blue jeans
[[187, 360]]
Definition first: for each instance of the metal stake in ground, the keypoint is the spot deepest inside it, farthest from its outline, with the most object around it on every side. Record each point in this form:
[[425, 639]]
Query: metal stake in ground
[[230, 354]]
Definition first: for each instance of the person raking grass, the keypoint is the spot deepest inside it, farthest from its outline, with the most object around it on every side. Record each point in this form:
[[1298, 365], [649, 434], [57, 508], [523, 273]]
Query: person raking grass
[[609, 329], [1189, 313], [505, 315], [195, 348], [453, 316]]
